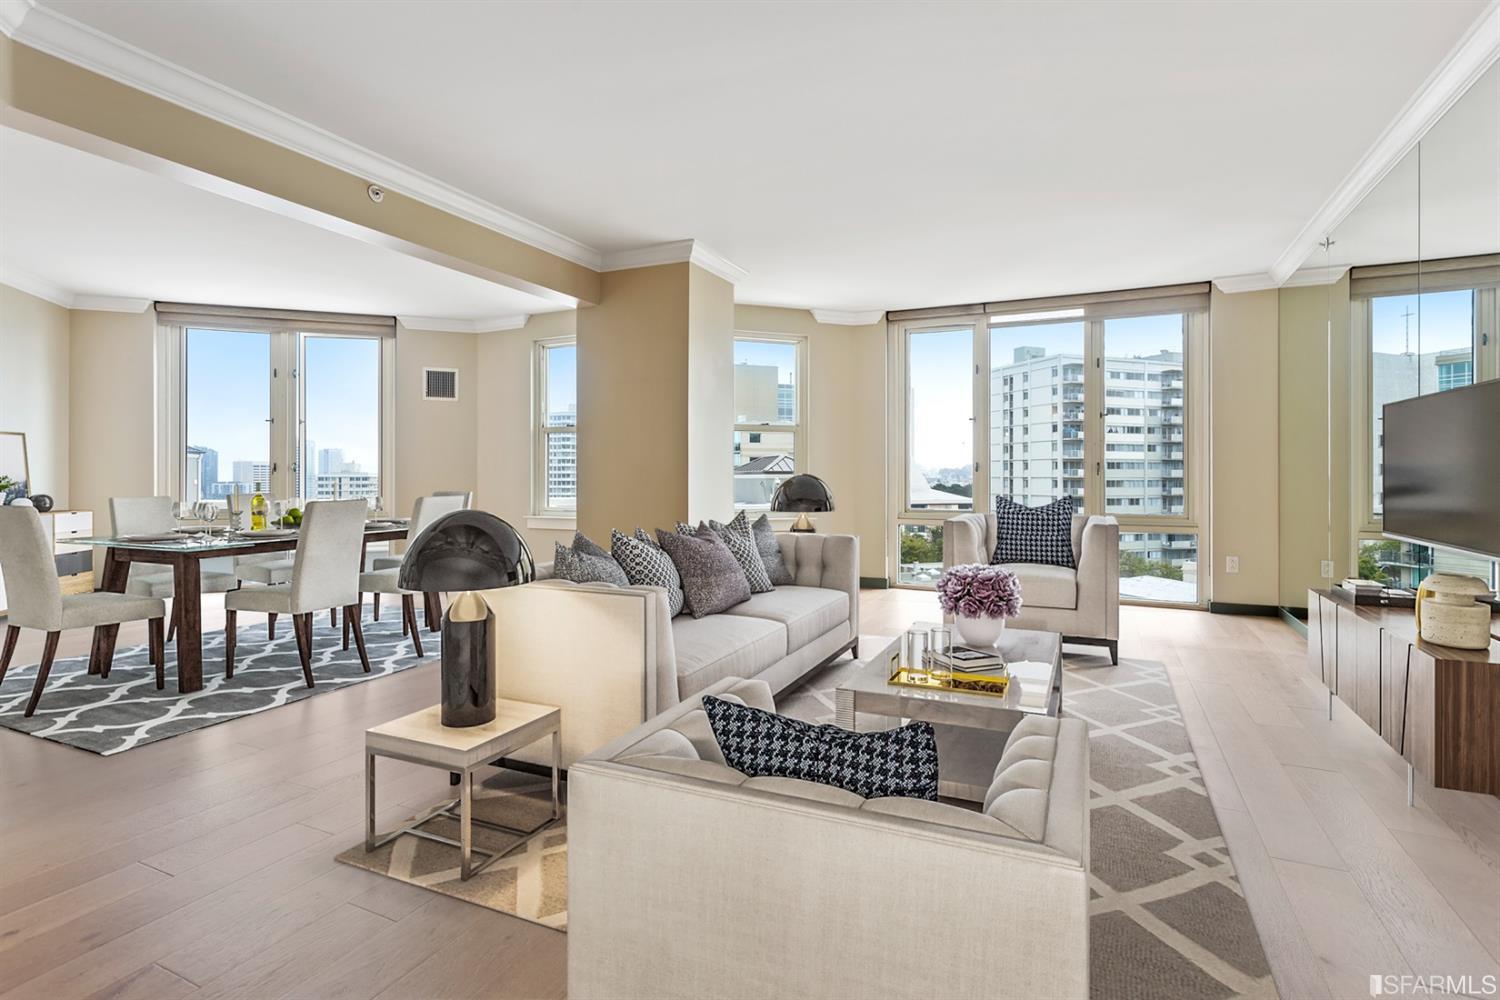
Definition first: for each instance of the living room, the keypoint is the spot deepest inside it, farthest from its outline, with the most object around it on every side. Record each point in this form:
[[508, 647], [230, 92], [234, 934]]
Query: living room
[[800, 467]]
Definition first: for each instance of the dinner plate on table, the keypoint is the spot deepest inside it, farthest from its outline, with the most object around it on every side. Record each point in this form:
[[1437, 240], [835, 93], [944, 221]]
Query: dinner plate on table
[[269, 533]]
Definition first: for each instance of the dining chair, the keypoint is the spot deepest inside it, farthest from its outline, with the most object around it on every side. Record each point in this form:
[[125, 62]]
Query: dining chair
[[426, 510], [325, 574], [150, 516], [36, 601]]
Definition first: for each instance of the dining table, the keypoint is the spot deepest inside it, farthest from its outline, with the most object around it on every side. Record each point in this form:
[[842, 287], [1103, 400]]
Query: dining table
[[186, 554]]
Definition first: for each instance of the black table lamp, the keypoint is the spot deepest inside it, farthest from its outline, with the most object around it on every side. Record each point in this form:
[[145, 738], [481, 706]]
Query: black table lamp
[[465, 551], [803, 494]]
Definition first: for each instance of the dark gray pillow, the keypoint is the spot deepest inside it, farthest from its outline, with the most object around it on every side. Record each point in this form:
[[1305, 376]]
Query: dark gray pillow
[[580, 567], [648, 566], [770, 552], [587, 546], [741, 541], [712, 580]]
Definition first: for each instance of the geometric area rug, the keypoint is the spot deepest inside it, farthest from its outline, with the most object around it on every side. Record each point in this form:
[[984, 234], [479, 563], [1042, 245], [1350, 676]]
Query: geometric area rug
[[111, 715], [1167, 915]]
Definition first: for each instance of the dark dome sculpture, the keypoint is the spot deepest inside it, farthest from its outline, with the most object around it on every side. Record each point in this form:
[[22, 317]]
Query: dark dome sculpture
[[466, 550], [803, 494]]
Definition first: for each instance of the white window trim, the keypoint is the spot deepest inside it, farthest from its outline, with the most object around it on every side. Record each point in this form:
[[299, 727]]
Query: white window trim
[[543, 516], [798, 428], [1193, 520]]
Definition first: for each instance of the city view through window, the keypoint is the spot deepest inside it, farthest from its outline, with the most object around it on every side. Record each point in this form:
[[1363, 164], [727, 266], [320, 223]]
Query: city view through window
[[228, 421], [1039, 421], [765, 407]]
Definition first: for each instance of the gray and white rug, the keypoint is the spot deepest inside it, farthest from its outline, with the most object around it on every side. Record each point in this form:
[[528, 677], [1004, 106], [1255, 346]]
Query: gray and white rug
[[110, 716], [1167, 916]]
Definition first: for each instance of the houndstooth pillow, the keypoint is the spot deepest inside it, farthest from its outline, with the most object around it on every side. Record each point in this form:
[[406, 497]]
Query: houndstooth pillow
[[896, 762], [741, 541], [580, 567], [1034, 534], [646, 565], [770, 552]]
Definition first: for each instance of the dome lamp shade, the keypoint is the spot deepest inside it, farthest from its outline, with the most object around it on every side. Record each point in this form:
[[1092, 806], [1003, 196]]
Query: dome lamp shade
[[802, 494], [466, 550]]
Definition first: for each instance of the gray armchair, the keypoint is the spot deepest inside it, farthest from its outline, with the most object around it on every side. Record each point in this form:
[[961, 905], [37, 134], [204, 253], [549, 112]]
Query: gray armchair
[[1083, 605]]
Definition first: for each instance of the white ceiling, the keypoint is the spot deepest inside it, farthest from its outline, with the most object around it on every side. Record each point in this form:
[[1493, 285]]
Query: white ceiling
[[95, 227], [852, 156]]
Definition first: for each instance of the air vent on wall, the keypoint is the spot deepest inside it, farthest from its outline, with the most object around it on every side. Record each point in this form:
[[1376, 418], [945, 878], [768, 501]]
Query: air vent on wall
[[439, 383]]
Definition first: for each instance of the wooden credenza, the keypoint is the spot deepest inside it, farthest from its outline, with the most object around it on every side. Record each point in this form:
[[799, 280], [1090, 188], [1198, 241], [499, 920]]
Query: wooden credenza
[[75, 563], [1437, 706]]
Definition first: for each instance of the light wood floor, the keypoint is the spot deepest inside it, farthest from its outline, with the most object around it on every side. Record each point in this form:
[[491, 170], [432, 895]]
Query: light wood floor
[[202, 865]]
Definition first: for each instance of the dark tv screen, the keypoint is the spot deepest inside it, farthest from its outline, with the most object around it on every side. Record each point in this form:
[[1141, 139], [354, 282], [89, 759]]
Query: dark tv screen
[[1442, 468]]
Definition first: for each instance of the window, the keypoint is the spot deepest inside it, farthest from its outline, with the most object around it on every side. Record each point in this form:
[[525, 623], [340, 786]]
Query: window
[[295, 415], [555, 480], [767, 416], [1097, 366]]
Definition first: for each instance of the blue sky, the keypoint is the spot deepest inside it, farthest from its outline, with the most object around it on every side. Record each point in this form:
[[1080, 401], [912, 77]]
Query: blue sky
[[1440, 321], [562, 378], [229, 388], [783, 356]]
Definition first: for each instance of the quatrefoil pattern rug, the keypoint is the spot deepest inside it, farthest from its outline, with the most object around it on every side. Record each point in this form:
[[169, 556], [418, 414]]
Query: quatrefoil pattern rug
[[111, 715]]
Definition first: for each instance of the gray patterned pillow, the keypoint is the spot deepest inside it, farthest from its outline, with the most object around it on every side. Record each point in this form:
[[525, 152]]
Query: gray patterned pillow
[[741, 541], [643, 535], [587, 546], [648, 566], [770, 552], [712, 580], [580, 567]]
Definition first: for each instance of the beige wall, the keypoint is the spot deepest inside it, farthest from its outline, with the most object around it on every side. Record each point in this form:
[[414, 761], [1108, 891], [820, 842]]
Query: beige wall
[[34, 352], [504, 414], [633, 401], [1306, 316], [112, 407], [710, 416], [435, 439], [845, 420], [1243, 347]]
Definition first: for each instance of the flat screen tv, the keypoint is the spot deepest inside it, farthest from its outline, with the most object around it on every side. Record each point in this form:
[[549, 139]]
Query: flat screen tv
[[1442, 469]]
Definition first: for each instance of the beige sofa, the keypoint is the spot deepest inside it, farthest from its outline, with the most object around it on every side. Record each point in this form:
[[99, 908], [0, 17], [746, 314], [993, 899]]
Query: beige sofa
[[1083, 604], [688, 879], [612, 657]]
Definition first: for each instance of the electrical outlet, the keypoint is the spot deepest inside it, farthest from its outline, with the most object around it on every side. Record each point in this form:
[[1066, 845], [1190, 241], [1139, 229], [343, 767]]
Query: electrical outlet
[[1326, 568], [1231, 564]]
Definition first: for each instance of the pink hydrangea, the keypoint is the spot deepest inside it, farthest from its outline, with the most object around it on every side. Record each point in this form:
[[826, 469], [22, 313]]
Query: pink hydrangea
[[978, 591]]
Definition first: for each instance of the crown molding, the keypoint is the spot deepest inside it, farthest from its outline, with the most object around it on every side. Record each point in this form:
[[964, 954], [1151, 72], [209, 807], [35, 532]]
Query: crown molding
[[59, 35], [848, 317], [676, 252], [1233, 284], [1315, 276], [1474, 53], [438, 324], [35, 284], [111, 303]]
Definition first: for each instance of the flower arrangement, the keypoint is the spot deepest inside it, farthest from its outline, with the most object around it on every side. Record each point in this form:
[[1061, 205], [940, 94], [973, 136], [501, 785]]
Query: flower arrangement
[[979, 591]]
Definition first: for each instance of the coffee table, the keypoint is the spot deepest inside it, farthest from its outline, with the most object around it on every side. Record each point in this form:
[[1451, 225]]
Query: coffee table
[[421, 738], [971, 728]]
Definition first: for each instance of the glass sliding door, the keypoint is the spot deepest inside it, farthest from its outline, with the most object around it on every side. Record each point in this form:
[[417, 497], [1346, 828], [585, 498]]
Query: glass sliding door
[[339, 456], [227, 414]]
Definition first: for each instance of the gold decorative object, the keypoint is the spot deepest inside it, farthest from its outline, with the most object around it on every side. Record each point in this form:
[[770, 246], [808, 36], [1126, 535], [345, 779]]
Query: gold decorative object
[[992, 685]]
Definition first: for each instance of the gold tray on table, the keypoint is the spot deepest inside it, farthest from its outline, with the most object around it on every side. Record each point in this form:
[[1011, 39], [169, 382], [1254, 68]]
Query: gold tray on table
[[990, 685]]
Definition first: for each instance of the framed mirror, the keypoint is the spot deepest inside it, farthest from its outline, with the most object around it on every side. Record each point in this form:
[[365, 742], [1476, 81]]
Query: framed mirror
[[15, 473]]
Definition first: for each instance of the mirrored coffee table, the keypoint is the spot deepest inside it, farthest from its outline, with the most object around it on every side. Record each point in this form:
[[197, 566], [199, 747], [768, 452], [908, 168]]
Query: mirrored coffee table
[[971, 728]]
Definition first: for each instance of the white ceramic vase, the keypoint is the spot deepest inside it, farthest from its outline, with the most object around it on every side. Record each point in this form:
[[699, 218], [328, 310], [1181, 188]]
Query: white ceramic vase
[[979, 632]]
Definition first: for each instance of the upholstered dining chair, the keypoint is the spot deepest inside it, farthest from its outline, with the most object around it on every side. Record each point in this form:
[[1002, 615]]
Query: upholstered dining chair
[[426, 510], [149, 516], [325, 574], [36, 601]]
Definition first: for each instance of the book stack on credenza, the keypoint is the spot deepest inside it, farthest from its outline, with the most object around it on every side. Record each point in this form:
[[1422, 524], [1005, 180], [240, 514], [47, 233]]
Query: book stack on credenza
[[1375, 592]]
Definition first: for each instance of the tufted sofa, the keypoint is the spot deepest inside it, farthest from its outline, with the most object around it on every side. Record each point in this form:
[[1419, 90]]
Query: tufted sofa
[[686, 878], [612, 657]]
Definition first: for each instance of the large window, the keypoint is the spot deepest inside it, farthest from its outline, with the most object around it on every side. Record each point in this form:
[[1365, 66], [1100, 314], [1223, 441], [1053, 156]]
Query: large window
[[296, 416], [556, 477], [767, 416], [1093, 400]]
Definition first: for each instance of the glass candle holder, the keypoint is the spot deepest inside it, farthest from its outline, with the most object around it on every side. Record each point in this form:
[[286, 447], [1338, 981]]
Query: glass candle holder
[[914, 649], [939, 648]]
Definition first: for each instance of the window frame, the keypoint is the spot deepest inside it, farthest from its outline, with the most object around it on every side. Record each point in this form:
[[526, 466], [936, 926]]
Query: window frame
[[1195, 514], [798, 427], [542, 431]]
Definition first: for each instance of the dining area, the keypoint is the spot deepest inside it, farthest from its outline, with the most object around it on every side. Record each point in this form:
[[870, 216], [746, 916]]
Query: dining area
[[166, 564]]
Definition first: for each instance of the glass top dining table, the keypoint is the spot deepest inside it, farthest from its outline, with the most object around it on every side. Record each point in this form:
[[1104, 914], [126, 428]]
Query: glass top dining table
[[185, 554]]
